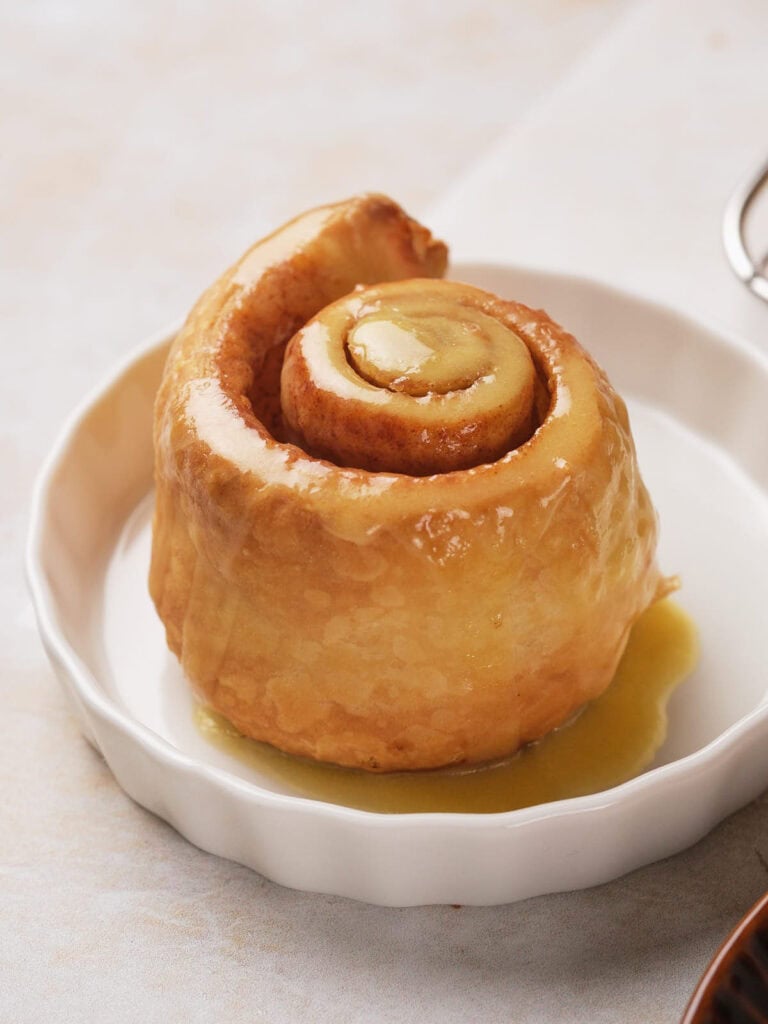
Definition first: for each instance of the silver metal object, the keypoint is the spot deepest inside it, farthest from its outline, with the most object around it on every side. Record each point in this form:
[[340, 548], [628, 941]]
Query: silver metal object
[[752, 273]]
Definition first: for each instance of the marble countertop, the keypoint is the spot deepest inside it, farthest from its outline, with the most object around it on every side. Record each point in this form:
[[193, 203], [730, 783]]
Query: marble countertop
[[144, 148]]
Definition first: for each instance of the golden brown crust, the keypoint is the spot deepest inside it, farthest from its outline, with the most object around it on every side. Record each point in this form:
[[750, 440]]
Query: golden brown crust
[[416, 377], [374, 618]]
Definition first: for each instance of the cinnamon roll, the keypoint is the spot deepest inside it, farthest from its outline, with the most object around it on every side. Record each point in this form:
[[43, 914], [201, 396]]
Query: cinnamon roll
[[399, 521]]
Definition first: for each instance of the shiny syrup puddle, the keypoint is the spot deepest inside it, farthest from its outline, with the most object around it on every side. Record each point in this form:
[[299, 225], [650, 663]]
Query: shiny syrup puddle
[[612, 740]]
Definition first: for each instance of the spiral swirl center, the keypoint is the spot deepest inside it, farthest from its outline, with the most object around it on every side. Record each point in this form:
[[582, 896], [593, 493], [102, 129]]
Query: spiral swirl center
[[420, 354], [416, 377]]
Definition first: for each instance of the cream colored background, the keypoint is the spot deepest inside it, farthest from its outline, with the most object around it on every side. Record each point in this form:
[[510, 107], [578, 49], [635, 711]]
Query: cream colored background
[[144, 146]]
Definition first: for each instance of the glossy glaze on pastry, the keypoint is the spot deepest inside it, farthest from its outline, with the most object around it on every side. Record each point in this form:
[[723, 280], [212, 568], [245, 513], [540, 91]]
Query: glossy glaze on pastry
[[430, 548], [614, 738]]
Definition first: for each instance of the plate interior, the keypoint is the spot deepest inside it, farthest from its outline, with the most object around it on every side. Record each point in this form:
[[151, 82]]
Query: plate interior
[[697, 409]]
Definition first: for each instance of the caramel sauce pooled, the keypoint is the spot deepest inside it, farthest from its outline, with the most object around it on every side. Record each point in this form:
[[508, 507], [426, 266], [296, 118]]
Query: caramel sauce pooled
[[612, 740]]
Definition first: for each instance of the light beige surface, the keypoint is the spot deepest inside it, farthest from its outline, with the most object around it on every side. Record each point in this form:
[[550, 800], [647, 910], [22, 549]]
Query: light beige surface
[[144, 149]]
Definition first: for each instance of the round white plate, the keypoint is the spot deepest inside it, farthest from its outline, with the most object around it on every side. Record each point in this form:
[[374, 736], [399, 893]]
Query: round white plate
[[699, 408]]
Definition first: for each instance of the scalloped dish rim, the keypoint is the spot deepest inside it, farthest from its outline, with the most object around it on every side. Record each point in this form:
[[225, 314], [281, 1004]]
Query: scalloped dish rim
[[98, 710]]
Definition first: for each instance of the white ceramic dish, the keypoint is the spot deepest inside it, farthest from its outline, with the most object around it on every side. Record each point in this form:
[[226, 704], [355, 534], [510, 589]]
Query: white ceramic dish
[[698, 403]]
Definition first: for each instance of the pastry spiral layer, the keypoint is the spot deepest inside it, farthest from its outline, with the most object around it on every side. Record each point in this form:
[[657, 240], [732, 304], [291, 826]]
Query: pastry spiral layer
[[426, 543], [417, 377]]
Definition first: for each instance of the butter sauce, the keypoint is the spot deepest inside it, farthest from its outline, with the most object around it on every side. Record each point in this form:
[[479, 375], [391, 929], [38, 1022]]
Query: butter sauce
[[613, 739]]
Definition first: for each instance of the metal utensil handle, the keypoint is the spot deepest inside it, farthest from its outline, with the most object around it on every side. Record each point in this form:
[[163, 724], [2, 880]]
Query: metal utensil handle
[[734, 218]]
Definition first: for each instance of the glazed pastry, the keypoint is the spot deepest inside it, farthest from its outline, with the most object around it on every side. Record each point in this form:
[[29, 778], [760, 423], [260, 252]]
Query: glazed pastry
[[399, 521]]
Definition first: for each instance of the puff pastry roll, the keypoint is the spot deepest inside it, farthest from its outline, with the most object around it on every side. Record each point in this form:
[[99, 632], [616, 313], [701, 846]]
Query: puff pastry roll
[[399, 521]]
